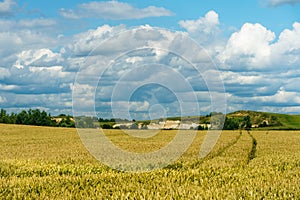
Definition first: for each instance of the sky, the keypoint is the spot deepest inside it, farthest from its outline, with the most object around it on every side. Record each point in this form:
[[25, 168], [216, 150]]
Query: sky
[[150, 59]]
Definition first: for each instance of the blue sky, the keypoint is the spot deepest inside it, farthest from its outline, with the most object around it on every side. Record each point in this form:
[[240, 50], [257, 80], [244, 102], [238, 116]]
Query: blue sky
[[231, 13], [252, 47]]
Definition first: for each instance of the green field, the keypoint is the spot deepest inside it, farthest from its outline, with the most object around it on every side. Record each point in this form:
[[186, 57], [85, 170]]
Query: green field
[[52, 163], [289, 121]]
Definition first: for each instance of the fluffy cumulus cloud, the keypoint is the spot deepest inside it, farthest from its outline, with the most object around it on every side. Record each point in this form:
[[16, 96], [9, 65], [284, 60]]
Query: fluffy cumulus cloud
[[287, 50], [88, 41], [281, 98], [113, 10], [40, 57], [143, 70], [261, 70], [281, 2], [254, 47], [204, 29], [113, 62], [7, 8], [13, 42], [206, 24], [249, 47], [143, 57], [30, 71]]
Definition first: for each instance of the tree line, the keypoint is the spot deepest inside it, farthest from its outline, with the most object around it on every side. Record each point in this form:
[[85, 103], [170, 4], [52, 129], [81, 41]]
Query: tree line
[[36, 117], [42, 118], [237, 123]]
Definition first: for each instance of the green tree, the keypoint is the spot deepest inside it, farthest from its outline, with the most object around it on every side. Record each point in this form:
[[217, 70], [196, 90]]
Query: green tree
[[230, 124], [134, 126], [200, 127], [4, 117], [13, 118], [106, 126], [69, 122], [247, 122], [22, 117]]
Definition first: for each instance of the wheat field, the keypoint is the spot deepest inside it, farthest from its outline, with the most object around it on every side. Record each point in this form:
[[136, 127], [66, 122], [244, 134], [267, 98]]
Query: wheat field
[[52, 163]]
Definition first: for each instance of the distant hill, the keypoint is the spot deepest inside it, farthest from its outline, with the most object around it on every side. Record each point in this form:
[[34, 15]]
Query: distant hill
[[259, 120], [266, 120]]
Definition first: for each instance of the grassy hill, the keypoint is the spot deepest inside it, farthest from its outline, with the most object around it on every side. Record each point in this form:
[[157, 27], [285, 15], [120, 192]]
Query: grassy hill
[[266, 120], [260, 120], [263, 120]]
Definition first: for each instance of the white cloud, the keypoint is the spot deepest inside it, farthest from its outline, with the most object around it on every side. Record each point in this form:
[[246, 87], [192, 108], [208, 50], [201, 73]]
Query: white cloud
[[13, 42], [290, 109], [240, 79], [39, 24], [4, 87], [4, 73], [292, 84], [206, 24], [253, 48], [27, 34], [249, 47], [83, 98], [53, 71], [113, 10], [68, 13], [205, 30], [281, 97], [86, 42], [9, 41], [40, 57], [6, 7], [34, 23], [39, 80], [287, 50], [52, 103], [247, 84], [138, 106], [43, 74], [2, 99], [280, 101], [281, 2], [36, 72], [134, 51]]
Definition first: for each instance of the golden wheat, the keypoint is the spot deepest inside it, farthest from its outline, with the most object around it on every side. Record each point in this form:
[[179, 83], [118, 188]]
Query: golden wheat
[[52, 163]]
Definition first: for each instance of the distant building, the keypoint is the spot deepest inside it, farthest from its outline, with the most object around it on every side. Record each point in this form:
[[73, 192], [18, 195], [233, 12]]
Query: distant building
[[185, 126], [206, 126], [155, 126], [169, 124]]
